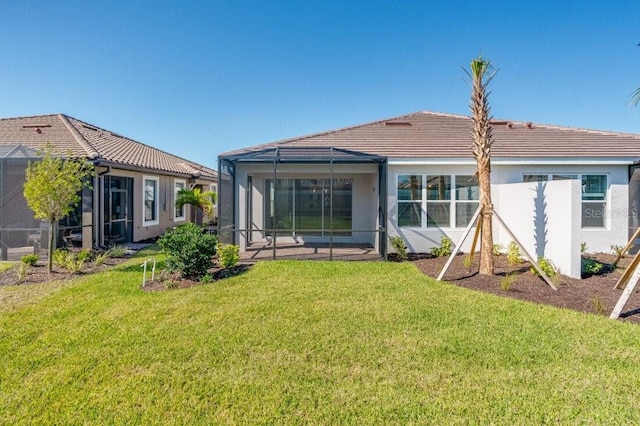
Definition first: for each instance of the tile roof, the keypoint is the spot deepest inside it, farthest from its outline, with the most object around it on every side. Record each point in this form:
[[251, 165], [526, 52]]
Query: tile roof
[[437, 135], [82, 140]]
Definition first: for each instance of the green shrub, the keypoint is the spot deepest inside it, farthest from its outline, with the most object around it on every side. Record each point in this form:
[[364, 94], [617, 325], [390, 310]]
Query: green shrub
[[467, 260], [118, 251], [102, 257], [399, 247], [29, 259], [597, 305], [206, 279], [59, 257], [189, 250], [68, 260], [85, 255], [591, 266], [446, 246], [228, 255], [74, 264], [22, 271], [507, 281], [514, 255], [497, 249], [547, 267]]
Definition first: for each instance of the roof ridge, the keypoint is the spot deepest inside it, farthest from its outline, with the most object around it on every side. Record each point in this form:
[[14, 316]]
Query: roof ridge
[[118, 135], [580, 129], [328, 132], [92, 153]]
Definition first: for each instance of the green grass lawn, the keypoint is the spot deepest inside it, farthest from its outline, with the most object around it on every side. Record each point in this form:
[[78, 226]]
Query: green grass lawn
[[308, 342]]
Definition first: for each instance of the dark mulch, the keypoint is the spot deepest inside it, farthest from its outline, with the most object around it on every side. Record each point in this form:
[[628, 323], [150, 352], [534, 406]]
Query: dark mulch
[[594, 294], [39, 273], [171, 281]]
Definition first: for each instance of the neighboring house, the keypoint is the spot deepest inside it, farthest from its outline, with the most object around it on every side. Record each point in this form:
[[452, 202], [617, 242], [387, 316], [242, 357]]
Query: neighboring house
[[132, 195], [413, 176]]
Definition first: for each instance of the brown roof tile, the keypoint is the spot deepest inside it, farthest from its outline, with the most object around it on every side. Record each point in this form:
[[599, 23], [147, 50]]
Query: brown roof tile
[[70, 135], [437, 135]]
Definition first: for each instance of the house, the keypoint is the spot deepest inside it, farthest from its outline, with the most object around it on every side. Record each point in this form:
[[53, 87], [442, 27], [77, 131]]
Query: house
[[556, 188], [133, 187]]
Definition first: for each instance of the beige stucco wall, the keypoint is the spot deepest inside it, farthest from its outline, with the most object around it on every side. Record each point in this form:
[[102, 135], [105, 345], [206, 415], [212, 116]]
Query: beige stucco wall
[[166, 201]]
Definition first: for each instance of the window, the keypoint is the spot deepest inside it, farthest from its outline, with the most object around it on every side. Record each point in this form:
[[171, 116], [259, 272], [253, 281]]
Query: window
[[428, 200], [178, 212], [467, 196], [309, 207], [150, 199], [410, 200], [594, 195], [438, 201]]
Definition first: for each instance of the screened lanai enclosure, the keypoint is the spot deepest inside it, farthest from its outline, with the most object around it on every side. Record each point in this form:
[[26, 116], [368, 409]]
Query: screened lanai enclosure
[[20, 232], [311, 202]]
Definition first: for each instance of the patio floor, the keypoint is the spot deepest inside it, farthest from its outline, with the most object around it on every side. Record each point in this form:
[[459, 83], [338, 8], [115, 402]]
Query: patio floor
[[310, 251]]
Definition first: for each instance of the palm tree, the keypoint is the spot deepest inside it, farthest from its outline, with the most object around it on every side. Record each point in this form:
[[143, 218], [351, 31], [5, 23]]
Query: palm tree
[[481, 74], [204, 200], [635, 97]]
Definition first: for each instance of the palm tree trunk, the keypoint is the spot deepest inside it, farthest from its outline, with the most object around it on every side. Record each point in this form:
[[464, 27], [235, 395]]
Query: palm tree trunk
[[482, 141], [486, 242]]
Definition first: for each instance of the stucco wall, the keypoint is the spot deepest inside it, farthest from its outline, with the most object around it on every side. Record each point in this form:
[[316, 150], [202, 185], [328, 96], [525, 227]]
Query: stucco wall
[[166, 203], [597, 240]]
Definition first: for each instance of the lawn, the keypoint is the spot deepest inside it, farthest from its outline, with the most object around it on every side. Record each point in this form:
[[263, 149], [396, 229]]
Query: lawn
[[308, 342]]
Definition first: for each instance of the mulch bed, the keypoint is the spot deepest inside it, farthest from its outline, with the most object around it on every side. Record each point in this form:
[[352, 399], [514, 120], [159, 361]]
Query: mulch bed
[[39, 273], [171, 281], [594, 294]]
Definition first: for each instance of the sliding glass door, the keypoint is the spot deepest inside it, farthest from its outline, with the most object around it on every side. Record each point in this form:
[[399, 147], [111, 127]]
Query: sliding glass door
[[304, 207]]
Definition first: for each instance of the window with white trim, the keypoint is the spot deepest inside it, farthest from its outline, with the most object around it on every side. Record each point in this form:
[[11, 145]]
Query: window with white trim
[[178, 212], [427, 201], [150, 205], [594, 195]]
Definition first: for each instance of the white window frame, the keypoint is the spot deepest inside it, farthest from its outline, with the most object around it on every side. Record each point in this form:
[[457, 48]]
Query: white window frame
[[177, 218], [452, 201], [156, 219], [578, 176]]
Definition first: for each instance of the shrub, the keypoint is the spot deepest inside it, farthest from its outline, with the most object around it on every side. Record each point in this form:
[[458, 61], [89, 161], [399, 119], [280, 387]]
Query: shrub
[[547, 267], [68, 260], [228, 255], [446, 245], [29, 259], [597, 305], [507, 281], [514, 255], [21, 272], [74, 264], [102, 257], [118, 251], [467, 260], [59, 257], [583, 247], [591, 266], [85, 255], [497, 249], [189, 250], [399, 247]]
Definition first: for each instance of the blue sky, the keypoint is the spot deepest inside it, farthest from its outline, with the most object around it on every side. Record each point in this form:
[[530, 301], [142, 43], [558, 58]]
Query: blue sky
[[200, 78]]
